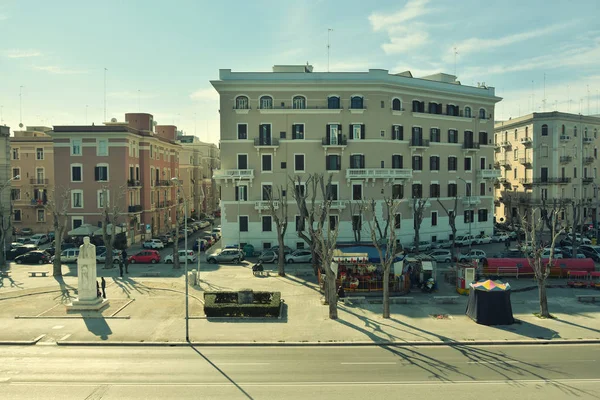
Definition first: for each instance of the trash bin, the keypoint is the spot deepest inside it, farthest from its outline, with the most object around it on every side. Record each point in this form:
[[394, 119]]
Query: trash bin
[[249, 250]]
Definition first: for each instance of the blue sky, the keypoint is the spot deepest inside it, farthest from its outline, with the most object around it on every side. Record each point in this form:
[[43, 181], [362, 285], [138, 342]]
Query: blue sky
[[160, 56]]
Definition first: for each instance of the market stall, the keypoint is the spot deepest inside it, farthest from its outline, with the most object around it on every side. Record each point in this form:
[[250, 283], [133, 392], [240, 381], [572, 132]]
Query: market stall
[[489, 303]]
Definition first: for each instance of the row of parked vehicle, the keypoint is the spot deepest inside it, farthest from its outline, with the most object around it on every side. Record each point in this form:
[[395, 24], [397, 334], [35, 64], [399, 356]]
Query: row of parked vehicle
[[461, 241]]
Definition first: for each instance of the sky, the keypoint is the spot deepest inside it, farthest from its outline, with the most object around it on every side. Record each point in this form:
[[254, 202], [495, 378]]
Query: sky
[[160, 56]]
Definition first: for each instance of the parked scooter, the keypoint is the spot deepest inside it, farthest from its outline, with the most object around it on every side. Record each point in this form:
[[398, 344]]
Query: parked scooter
[[428, 286], [257, 268]]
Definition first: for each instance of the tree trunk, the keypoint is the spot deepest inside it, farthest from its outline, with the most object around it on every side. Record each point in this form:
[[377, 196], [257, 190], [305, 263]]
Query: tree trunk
[[544, 312], [57, 266], [3, 260], [386, 291], [281, 256], [331, 293]]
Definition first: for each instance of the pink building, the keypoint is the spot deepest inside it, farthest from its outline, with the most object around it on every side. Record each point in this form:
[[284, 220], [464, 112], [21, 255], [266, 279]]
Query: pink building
[[133, 161]]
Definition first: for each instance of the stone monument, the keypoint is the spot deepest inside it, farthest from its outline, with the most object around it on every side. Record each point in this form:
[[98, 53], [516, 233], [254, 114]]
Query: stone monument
[[87, 299]]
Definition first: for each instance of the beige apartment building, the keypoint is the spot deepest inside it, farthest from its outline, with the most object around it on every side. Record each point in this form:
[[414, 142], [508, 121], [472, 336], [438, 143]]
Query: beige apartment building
[[32, 160], [5, 177], [197, 164], [134, 160], [551, 156], [377, 134]]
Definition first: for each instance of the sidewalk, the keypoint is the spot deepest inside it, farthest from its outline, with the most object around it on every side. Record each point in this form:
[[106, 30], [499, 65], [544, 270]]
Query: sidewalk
[[153, 310]]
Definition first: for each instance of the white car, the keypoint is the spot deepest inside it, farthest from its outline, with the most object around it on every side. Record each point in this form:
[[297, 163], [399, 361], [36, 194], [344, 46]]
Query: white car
[[101, 258], [482, 239], [557, 253], [39, 238], [444, 256], [153, 244], [299, 256], [191, 257], [217, 230], [500, 237], [464, 240], [474, 254]]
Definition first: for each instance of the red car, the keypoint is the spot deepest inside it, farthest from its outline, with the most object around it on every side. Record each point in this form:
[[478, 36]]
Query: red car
[[145, 256]]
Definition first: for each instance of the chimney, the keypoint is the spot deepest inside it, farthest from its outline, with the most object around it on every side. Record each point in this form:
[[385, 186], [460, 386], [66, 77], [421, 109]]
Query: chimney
[[140, 121], [168, 132]]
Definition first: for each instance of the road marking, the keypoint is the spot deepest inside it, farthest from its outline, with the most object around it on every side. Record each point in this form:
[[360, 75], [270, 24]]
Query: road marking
[[244, 363], [368, 363], [4, 380], [65, 337], [523, 362], [56, 326]]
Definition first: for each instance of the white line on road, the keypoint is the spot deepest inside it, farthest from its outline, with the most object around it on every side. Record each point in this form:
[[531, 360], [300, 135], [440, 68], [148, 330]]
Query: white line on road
[[243, 363], [368, 363], [65, 337], [523, 362]]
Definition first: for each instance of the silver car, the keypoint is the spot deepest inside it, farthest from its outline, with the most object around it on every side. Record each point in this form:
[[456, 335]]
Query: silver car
[[227, 255], [299, 256], [444, 256], [268, 256]]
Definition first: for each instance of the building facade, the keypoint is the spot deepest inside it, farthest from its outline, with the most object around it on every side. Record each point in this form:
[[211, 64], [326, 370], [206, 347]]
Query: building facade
[[130, 163], [32, 160], [5, 178], [377, 134], [550, 156]]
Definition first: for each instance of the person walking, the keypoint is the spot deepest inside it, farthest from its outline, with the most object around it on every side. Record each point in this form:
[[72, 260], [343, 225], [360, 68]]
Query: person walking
[[125, 260], [103, 285]]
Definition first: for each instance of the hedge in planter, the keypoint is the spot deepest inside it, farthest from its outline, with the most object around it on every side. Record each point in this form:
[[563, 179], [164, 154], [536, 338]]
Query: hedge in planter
[[225, 304]]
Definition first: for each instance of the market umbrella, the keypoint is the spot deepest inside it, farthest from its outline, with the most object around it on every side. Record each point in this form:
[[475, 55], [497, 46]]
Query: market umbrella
[[109, 230], [489, 303], [83, 230]]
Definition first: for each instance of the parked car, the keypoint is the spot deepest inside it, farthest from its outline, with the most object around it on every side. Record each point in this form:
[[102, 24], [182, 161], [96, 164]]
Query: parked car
[[17, 251], [442, 244], [23, 240], [33, 257], [268, 256], [39, 238], [567, 252], [217, 230], [482, 239], [101, 258], [510, 253], [590, 251], [144, 257], [204, 224], [153, 244], [557, 253], [26, 231], [69, 255], [191, 256], [464, 240], [286, 249], [500, 237], [167, 240], [473, 254], [299, 256], [441, 255], [14, 245], [424, 245], [226, 255], [580, 241], [209, 239]]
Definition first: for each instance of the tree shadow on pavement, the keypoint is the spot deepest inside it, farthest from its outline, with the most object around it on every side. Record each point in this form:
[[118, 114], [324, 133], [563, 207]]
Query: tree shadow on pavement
[[221, 372], [12, 282], [67, 292], [293, 280], [98, 327], [128, 286], [529, 330], [576, 325]]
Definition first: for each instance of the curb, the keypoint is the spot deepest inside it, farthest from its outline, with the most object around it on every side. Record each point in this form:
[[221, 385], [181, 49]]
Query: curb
[[21, 342], [338, 344]]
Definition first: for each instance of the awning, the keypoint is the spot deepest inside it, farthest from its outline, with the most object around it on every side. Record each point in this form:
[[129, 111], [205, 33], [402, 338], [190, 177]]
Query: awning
[[83, 230]]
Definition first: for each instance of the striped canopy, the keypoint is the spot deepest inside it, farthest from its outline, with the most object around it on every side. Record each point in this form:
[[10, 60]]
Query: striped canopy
[[490, 286]]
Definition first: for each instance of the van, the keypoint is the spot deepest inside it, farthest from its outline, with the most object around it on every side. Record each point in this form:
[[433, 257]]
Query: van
[[69, 255], [464, 240]]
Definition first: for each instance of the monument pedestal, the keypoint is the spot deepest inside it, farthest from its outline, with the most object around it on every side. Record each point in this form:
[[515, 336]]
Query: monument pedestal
[[88, 305]]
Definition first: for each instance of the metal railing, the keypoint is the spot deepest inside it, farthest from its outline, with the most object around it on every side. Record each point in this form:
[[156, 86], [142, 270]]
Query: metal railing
[[471, 145], [133, 209], [566, 159], [340, 140], [38, 181], [419, 142], [133, 183], [266, 141]]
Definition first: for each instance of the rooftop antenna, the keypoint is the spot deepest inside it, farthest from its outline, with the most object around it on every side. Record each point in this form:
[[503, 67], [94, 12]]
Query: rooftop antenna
[[86, 108], [329, 30], [20, 106], [139, 108], [105, 69], [588, 93], [544, 100], [532, 97], [569, 97], [455, 53]]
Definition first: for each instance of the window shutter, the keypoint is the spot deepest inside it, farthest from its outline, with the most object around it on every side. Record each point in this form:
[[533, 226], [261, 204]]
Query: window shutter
[[362, 161], [362, 131], [394, 133], [97, 173], [294, 131], [237, 193], [350, 132], [338, 162]]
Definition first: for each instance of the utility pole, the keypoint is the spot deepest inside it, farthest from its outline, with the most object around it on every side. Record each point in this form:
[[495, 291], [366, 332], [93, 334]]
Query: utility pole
[[139, 107], [20, 106], [329, 30]]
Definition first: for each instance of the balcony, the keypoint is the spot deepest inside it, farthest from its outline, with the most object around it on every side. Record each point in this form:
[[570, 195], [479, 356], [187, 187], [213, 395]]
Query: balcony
[[497, 183], [497, 203], [162, 182], [497, 165], [526, 141], [38, 202], [263, 205], [588, 160], [588, 140], [506, 144], [324, 109], [564, 138], [377, 173], [426, 203], [488, 174], [587, 180], [526, 182], [471, 200], [506, 163], [470, 146], [335, 141], [133, 183], [38, 181], [526, 161], [551, 181], [497, 147], [418, 143], [233, 175], [337, 204], [266, 143], [134, 209], [565, 159]]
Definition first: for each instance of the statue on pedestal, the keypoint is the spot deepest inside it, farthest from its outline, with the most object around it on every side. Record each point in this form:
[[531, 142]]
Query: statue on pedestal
[[86, 280]]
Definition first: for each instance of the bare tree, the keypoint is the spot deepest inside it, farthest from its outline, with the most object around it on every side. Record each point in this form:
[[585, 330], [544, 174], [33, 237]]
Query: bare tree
[[111, 213], [58, 206], [278, 209], [6, 227], [577, 207], [179, 215], [452, 222], [356, 209], [418, 207], [541, 269], [384, 241]]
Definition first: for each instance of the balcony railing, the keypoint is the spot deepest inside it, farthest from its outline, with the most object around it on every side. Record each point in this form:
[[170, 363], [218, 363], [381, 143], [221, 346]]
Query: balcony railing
[[134, 209], [38, 203], [471, 146], [471, 200], [526, 141], [263, 205], [488, 174], [133, 183], [565, 159], [266, 142], [162, 182], [553, 180], [526, 181], [564, 138], [38, 181], [506, 144], [338, 204], [587, 180], [497, 147], [588, 160], [588, 140], [340, 140], [419, 142], [378, 173], [506, 163], [426, 203], [525, 160], [233, 174]]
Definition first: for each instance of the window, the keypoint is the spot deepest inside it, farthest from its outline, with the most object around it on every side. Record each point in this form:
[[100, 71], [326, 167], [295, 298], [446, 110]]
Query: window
[[397, 221], [15, 194], [75, 147], [357, 161], [544, 194], [482, 163], [39, 153], [397, 132], [242, 131], [264, 134], [298, 132], [575, 131], [468, 217], [434, 135], [574, 172], [76, 173], [333, 103], [101, 173], [15, 154], [17, 215], [397, 161], [418, 106], [481, 113], [356, 191], [544, 130], [434, 190], [242, 161], [16, 174], [482, 189], [452, 110], [333, 222], [357, 131], [300, 223], [396, 105], [267, 223], [482, 215], [300, 190], [483, 138], [356, 102], [435, 108], [243, 222], [356, 223], [467, 163], [102, 147], [382, 104], [267, 192], [299, 162], [417, 190], [266, 102], [241, 193], [41, 215], [267, 162], [397, 191], [452, 163], [434, 163], [76, 199], [452, 190], [332, 191], [434, 218], [103, 196], [39, 175], [333, 162], [417, 163], [299, 102], [452, 136], [241, 103]]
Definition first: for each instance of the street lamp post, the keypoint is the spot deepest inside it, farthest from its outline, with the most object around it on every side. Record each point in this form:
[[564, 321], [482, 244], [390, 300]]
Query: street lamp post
[[468, 190], [6, 184], [198, 273], [239, 243], [185, 244]]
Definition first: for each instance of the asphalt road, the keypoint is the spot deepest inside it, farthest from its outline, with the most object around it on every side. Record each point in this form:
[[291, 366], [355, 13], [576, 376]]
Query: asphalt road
[[105, 372]]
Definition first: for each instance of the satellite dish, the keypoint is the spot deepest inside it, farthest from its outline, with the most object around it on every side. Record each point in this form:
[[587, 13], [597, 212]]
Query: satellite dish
[[113, 120], [20, 125]]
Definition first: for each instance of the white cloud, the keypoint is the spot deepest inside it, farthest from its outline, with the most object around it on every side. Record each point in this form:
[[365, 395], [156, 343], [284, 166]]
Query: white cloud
[[53, 69], [205, 94], [22, 53], [402, 44], [129, 95], [412, 10], [3, 17]]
